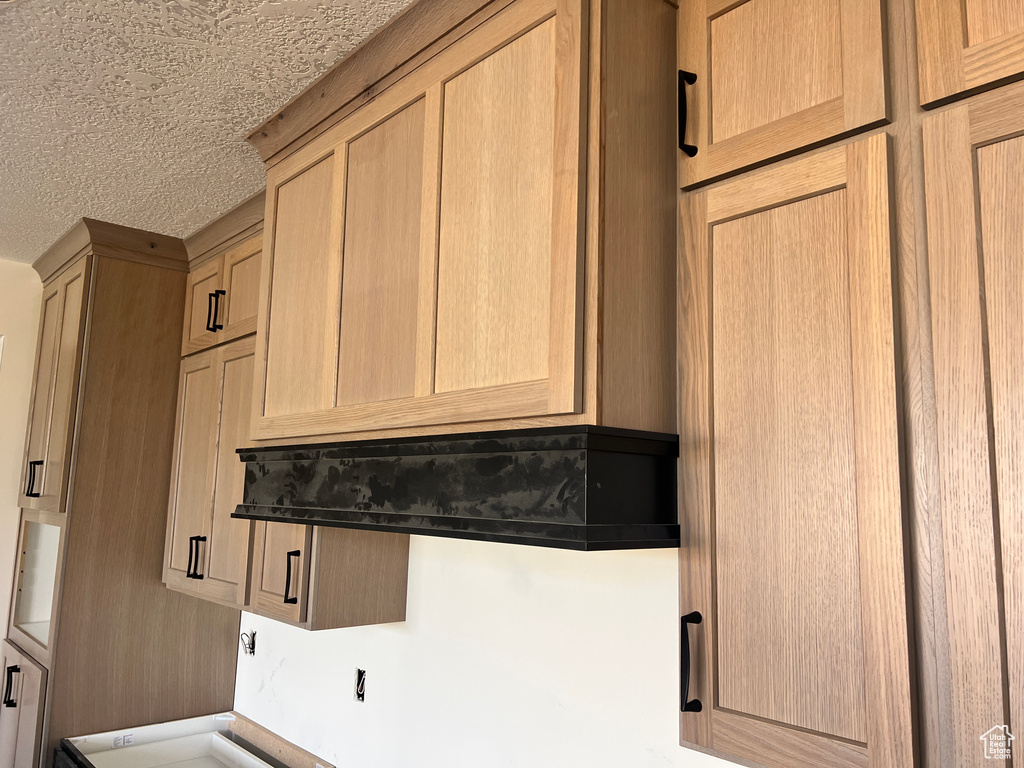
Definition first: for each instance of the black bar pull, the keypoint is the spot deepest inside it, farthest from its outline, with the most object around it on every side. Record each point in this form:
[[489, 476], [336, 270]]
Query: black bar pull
[[31, 489], [685, 703], [191, 556], [199, 561], [288, 578], [685, 79], [9, 686], [213, 310]]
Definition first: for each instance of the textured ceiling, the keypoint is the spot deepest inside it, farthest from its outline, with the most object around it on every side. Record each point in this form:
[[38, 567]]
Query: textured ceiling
[[134, 111]]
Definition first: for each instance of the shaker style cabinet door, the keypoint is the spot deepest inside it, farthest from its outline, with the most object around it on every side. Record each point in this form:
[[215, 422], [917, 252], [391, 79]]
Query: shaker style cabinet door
[[222, 297], [280, 571], [424, 256], [974, 188], [794, 625], [967, 45], [207, 552], [23, 684], [774, 77], [55, 390]]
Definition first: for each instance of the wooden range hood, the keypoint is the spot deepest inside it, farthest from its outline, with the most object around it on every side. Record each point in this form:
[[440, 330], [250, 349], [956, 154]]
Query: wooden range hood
[[578, 487]]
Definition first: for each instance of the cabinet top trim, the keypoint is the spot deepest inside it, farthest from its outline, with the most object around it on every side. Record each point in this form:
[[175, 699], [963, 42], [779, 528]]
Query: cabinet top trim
[[122, 242], [237, 224]]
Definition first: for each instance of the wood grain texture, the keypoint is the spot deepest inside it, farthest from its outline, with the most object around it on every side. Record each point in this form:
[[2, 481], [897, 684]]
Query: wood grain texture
[[976, 692], [202, 281], [360, 578], [242, 284], [148, 653], [639, 216], [782, 381], [272, 543], [21, 726], [430, 201], [274, 745], [42, 389], [989, 19], [377, 359], [493, 325], [302, 321], [758, 742], [758, 73], [1001, 204], [222, 231]]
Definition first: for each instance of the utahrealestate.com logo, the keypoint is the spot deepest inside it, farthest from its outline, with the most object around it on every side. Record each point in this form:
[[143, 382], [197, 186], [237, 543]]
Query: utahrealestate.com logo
[[997, 743]]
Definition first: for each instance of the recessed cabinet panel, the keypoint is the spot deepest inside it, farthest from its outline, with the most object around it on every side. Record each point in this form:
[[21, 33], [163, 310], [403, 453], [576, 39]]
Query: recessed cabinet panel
[[968, 45], [974, 161], [242, 283], [775, 76], [380, 289], [39, 421], [23, 684], [791, 505], [786, 501], [281, 564], [302, 338], [494, 271]]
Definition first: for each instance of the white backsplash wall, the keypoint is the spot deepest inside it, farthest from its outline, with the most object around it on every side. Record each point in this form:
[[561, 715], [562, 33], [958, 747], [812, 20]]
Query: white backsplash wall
[[511, 656], [21, 293]]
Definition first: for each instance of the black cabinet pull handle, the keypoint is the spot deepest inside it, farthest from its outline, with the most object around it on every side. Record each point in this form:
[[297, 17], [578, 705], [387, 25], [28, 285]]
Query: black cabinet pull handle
[[9, 686], [685, 703], [199, 561], [685, 79], [288, 579], [31, 489], [213, 310], [191, 556]]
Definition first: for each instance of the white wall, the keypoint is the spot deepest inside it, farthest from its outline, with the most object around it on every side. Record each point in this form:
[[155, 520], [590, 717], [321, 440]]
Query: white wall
[[511, 656], [21, 293]]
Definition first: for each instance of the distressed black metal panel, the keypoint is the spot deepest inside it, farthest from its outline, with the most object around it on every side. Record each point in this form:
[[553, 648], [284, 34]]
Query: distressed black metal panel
[[581, 487]]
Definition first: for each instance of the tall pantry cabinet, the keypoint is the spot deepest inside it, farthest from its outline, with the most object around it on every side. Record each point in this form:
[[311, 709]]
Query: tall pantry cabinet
[[95, 641], [850, 568]]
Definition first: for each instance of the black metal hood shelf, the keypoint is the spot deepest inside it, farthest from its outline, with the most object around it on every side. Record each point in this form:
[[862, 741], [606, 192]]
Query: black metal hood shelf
[[582, 487]]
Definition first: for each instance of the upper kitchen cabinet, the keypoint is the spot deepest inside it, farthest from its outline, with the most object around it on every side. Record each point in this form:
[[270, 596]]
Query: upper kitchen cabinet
[[224, 278], [54, 392], [974, 537], [793, 599], [485, 237], [968, 45], [765, 78]]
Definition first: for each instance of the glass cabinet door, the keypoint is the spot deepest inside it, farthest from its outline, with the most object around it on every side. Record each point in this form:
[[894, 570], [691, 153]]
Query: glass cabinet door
[[39, 564]]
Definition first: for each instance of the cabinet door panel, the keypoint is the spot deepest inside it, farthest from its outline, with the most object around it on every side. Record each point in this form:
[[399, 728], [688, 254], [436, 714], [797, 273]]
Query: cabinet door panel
[[228, 562], [791, 502], [242, 287], [205, 280], [42, 391], [775, 76], [974, 157], [21, 715], [272, 566], [191, 486], [967, 45], [380, 290], [494, 286], [302, 335]]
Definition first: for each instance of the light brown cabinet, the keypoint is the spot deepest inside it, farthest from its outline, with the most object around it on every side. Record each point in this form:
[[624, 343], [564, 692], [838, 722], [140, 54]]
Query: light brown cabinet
[[21, 711], [222, 297], [974, 166], [326, 578], [791, 504], [968, 45], [773, 77], [490, 239], [119, 649], [207, 552], [54, 392]]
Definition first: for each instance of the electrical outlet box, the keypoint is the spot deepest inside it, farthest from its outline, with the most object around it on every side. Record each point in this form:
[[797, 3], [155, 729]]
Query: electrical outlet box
[[360, 692]]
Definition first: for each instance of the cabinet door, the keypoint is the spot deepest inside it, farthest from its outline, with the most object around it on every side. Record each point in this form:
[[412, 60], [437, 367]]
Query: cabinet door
[[55, 392], [426, 254], [191, 503], [776, 76], [23, 684], [974, 185], [241, 288], [967, 45], [791, 510], [204, 306], [282, 553], [226, 570]]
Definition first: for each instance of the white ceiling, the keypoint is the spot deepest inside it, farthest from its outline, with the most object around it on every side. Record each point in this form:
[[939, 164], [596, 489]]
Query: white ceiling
[[134, 111]]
